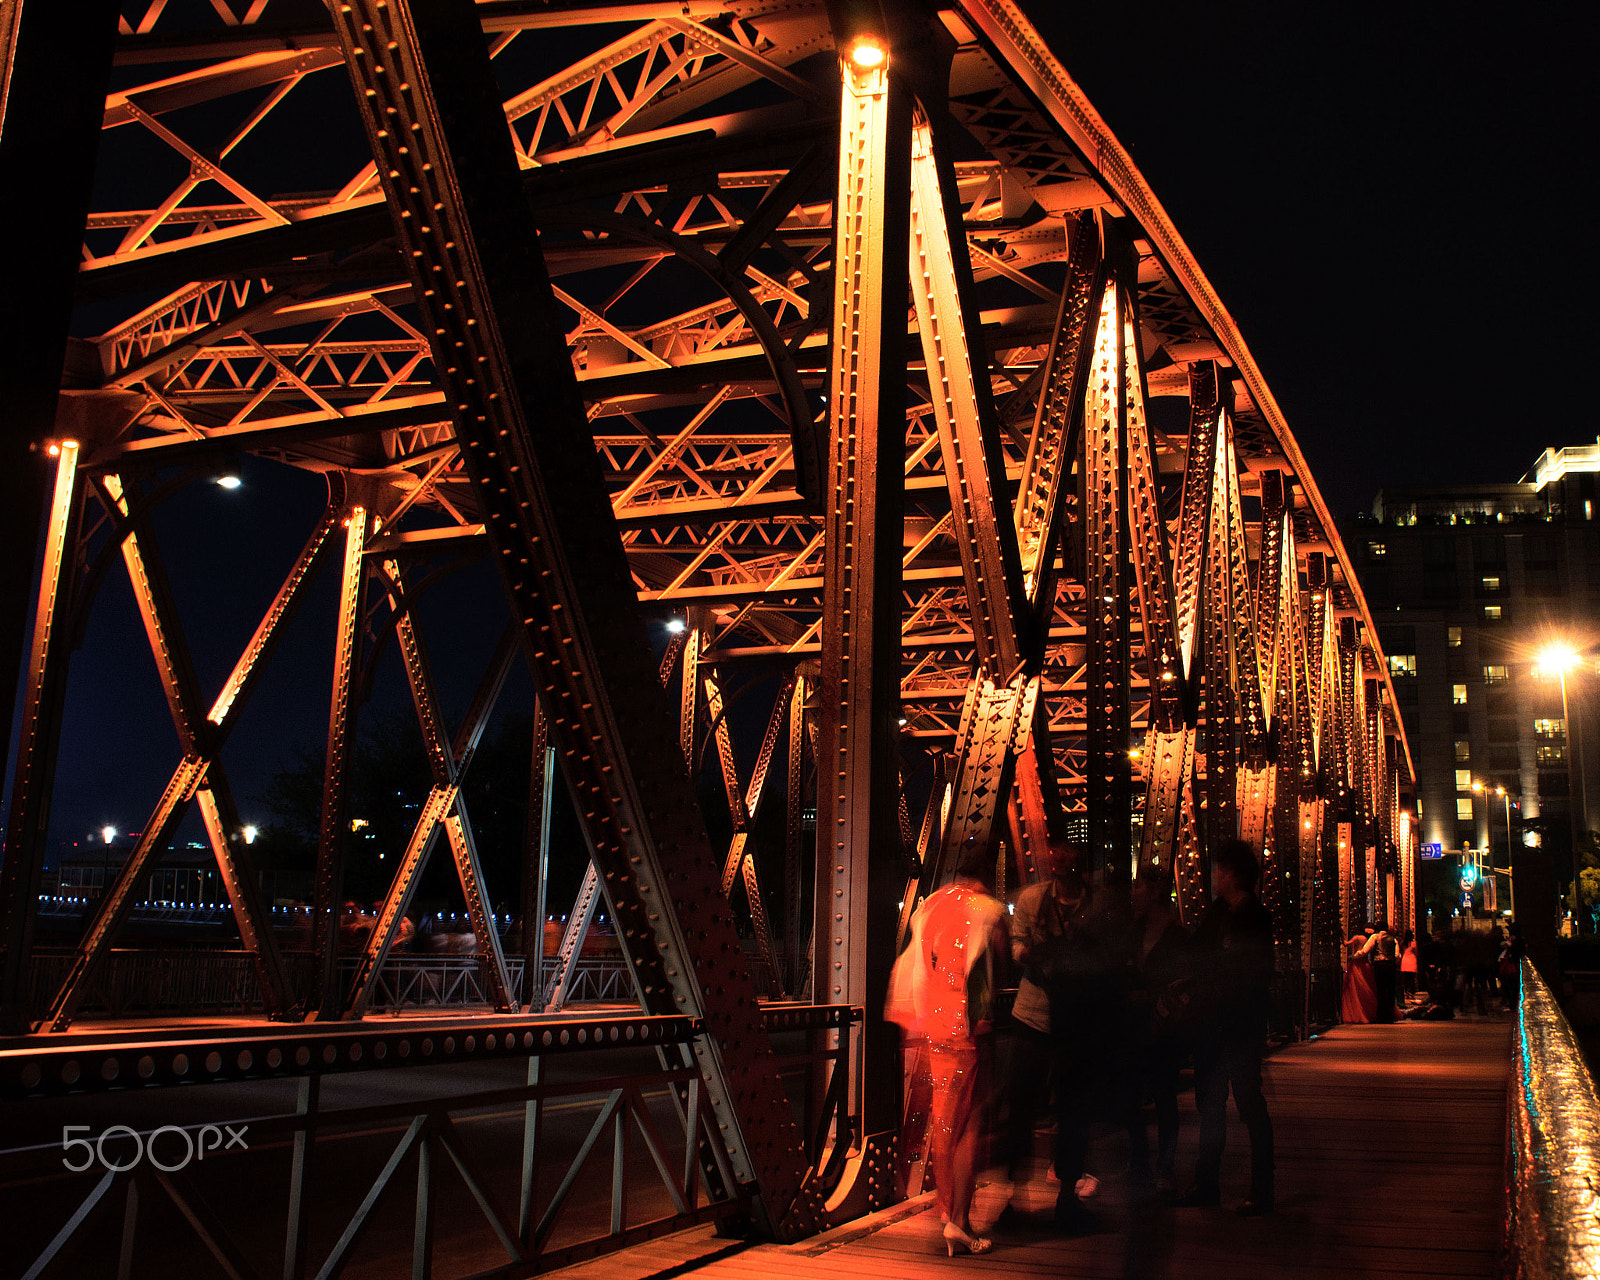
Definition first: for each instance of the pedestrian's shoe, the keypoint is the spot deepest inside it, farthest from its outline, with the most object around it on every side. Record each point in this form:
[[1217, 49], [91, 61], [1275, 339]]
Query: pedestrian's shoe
[[1073, 1219], [1088, 1187], [1199, 1196], [969, 1241], [1258, 1205]]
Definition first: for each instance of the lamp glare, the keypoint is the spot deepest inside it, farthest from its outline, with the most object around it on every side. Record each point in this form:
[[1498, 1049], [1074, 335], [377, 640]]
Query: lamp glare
[[868, 52]]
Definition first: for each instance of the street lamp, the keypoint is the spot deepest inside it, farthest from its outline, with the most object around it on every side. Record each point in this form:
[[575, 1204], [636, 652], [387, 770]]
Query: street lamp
[[1479, 785], [1560, 659]]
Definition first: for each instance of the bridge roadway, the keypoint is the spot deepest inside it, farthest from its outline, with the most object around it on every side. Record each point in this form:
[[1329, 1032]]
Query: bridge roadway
[[1391, 1151]]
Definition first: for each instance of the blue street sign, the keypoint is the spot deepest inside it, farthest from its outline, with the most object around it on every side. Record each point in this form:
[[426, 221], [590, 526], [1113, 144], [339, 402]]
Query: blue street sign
[[1433, 851]]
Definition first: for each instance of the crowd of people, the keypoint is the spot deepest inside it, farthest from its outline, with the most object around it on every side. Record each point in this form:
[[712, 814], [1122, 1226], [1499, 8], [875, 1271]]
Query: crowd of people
[[1432, 978], [1114, 996]]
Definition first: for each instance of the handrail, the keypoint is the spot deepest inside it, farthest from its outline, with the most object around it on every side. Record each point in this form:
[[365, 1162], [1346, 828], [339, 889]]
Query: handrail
[[1552, 1219]]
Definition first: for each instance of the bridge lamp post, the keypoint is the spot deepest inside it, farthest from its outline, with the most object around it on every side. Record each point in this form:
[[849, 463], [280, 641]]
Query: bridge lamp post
[[1479, 785], [1561, 658]]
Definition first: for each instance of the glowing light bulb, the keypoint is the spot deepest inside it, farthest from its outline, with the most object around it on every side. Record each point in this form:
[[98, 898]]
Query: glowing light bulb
[[869, 52]]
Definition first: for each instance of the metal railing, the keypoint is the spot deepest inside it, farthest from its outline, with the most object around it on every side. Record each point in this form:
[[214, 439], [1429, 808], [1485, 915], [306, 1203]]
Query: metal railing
[[1552, 1220], [543, 1150], [199, 981]]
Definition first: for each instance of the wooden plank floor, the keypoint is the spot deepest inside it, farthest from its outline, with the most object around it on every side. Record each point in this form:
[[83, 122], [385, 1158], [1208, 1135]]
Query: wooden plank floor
[[1390, 1149]]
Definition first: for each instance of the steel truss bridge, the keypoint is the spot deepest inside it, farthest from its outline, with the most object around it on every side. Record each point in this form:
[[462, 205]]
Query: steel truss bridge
[[845, 334]]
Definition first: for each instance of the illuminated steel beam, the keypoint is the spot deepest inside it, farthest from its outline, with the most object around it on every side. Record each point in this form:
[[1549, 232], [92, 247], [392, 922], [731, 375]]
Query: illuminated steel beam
[[175, 670], [187, 779], [1106, 581], [857, 750], [21, 874], [969, 440], [447, 762], [332, 833], [433, 118]]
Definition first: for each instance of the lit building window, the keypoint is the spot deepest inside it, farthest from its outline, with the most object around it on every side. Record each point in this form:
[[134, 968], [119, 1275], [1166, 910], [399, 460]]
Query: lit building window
[[1464, 810], [1492, 613], [1376, 550], [1453, 637], [1463, 751], [1402, 664], [1458, 694], [1550, 728], [1496, 673], [1491, 584], [1550, 754], [1463, 779]]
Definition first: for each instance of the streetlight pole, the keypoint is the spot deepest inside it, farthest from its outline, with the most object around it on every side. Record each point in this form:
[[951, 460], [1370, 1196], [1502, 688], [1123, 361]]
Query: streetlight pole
[[1560, 658]]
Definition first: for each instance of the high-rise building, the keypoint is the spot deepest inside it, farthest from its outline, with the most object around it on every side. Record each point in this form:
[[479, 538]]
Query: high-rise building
[[1487, 603]]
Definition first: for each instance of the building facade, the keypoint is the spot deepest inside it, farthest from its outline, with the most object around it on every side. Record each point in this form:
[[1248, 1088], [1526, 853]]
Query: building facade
[[1487, 601]]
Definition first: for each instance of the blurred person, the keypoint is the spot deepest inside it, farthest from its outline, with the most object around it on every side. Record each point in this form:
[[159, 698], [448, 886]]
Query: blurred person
[[941, 991], [1511, 968], [1233, 957], [1409, 961], [1385, 977], [1079, 970], [1039, 917], [1165, 995], [1358, 997]]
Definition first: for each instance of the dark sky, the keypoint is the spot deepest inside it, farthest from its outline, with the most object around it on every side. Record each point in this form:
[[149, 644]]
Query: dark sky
[[1392, 201]]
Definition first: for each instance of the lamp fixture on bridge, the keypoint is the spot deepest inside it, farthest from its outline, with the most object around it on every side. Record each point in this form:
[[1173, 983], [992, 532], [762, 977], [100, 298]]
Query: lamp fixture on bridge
[[868, 52], [675, 626]]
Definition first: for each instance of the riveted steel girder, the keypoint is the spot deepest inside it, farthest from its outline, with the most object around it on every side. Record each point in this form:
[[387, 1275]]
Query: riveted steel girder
[[424, 83], [857, 685]]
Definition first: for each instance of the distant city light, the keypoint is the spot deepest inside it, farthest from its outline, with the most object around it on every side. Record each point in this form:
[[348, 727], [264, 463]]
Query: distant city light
[[108, 834]]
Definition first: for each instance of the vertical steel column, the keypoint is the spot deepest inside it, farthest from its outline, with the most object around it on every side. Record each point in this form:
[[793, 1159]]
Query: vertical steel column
[[21, 873], [331, 836], [1106, 582], [858, 854], [1189, 573], [1277, 586], [55, 63], [795, 931], [536, 860], [1168, 755]]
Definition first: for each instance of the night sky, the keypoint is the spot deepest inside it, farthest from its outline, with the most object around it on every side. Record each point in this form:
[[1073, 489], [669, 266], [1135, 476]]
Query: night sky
[[1394, 203], [1391, 202]]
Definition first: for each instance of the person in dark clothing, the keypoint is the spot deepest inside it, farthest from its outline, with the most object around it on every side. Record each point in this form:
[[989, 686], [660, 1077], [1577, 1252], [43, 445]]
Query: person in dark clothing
[[1232, 950], [1385, 975], [1073, 968], [1163, 993]]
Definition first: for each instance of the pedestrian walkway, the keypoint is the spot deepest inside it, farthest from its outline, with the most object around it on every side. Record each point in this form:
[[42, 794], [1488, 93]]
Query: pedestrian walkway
[[1391, 1148]]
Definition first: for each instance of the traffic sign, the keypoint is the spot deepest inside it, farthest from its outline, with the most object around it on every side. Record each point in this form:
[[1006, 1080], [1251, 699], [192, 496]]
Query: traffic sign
[[1433, 851]]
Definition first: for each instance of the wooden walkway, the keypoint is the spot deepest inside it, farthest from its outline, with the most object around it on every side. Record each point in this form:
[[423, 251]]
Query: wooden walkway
[[1390, 1151]]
